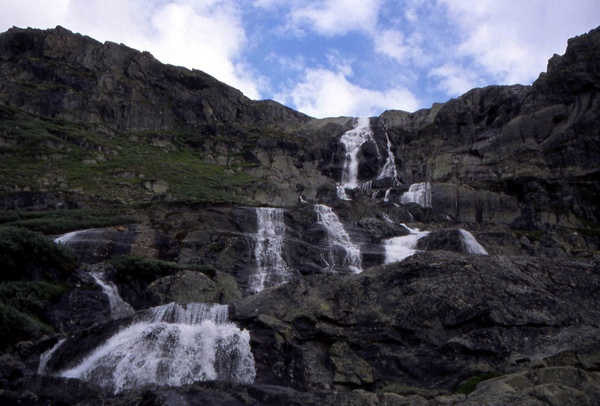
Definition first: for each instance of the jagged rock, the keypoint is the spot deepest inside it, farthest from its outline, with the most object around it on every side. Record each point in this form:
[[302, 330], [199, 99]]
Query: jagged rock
[[429, 321], [190, 286]]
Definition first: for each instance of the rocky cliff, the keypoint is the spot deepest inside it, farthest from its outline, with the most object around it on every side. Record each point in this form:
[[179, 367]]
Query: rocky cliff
[[174, 187]]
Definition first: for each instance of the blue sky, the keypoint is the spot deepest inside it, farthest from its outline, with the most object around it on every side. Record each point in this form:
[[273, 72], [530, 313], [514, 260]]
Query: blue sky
[[333, 57]]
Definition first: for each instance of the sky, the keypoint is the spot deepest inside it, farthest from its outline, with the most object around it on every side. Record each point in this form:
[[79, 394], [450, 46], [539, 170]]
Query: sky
[[330, 58]]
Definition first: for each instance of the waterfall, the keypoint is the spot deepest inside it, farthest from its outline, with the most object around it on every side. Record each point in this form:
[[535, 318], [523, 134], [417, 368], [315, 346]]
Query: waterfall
[[470, 243], [45, 357], [419, 193], [389, 168], [171, 345], [398, 248], [118, 307], [338, 237], [271, 269], [352, 140]]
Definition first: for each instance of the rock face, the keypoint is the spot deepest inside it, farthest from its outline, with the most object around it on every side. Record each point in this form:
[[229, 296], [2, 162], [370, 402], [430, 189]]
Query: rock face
[[430, 321], [225, 191]]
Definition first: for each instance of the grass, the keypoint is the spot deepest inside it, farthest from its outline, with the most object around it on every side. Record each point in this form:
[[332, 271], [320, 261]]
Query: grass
[[39, 154], [63, 221]]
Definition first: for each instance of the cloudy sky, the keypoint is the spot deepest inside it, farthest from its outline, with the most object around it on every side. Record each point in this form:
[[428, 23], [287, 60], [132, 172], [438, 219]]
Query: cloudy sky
[[333, 57]]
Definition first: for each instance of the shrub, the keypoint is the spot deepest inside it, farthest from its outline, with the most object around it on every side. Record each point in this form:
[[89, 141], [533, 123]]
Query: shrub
[[30, 296], [17, 326], [27, 255]]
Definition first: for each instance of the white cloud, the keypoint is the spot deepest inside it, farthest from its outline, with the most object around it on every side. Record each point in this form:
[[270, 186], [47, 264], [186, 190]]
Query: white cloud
[[34, 13], [454, 80], [326, 93], [510, 41], [335, 17]]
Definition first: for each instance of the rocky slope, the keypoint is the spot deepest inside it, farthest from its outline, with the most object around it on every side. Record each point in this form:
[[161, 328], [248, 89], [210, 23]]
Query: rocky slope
[[175, 170]]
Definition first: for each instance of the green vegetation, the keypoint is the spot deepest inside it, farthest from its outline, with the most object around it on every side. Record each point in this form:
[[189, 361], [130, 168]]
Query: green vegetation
[[63, 221], [27, 255], [40, 154], [17, 326], [131, 267], [470, 384]]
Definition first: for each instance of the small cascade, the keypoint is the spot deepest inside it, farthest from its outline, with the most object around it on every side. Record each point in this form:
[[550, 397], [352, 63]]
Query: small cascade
[[352, 140], [386, 198], [172, 345], [389, 168], [398, 248], [419, 193], [271, 269], [45, 357], [338, 237], [118, 307], [470, 243]]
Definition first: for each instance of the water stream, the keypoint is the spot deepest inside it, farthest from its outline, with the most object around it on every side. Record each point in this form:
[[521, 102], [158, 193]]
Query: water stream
[[271, 269], [338, 238], [171, 345], [398, 248], [419, 193], [352, 141]]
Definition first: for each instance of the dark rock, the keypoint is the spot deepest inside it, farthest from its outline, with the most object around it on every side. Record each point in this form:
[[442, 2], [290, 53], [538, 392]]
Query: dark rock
[[428, 321]]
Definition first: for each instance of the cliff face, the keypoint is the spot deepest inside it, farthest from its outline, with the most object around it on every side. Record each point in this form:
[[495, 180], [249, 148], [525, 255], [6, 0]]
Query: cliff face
[[174, 169]]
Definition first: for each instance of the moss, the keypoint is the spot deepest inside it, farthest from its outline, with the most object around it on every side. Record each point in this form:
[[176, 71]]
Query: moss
[[470, 384]]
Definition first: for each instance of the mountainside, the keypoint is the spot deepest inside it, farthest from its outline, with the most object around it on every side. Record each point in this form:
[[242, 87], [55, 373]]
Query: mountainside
[[175, 187]]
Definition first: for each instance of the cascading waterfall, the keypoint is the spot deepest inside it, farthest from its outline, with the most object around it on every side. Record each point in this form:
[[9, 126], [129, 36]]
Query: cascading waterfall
[[398, 248], [45, 357], [338, 237], [271, 268], [118, 307], [352, 140], [471, 245], [389, 168], [171, 345], [419, 193]]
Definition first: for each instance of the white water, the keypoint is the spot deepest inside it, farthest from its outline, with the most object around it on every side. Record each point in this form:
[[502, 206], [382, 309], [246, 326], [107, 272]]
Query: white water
[[271, 268], [173, 345], [118, 307], [419, 193], [471, 244], [398, 248], [352, 140], [45, 357], [66, 238], [389, 168], [338, 237]]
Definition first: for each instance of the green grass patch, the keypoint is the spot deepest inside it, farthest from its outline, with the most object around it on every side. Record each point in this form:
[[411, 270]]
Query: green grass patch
[[404, 390], [40, 154], [136, 267], [63, 221]]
